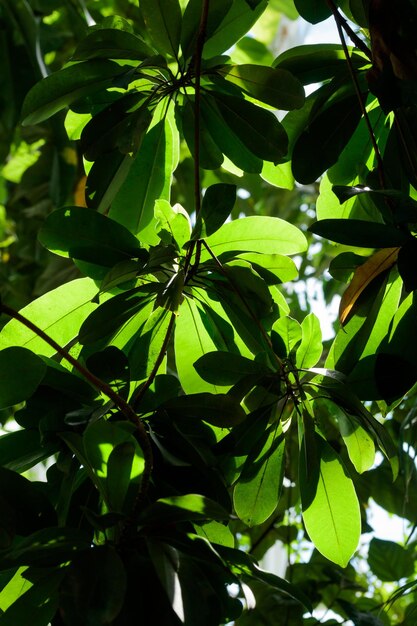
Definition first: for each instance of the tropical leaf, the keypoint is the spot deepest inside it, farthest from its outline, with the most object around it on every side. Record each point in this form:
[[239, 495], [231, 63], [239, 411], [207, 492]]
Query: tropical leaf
[[364, 274], [62, 88], [330, 506]]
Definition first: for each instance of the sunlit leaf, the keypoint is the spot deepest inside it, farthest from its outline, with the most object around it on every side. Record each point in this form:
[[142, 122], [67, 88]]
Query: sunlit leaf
[[59, 313], [310, 349], [149, 178], [269, 235], [330, 506]]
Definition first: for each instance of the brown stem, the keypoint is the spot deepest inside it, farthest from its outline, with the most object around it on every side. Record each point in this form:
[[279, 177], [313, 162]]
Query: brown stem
[[197, 70], [380, 166], [99, 384], [361, 45]]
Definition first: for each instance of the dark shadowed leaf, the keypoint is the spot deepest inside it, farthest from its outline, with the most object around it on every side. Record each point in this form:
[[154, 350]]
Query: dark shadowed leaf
[[390, 561], [220, 410], [84, 234], [320, 145], [315, 63], [217, 10], [163, 21], [218, 202], [211, 156], [94, 587], [175, 509], [273, 86], [21, 371], [110, 43], [224, 368], [256, 494], [66, 86], [259, 130], [360, 233], [313, 11]]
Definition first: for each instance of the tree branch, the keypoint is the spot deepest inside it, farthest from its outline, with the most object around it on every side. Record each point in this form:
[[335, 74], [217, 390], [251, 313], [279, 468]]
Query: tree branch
[[99, 384]]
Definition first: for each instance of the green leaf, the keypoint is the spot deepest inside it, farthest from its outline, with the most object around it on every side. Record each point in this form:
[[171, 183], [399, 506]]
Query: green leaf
[[120, 126], [94, 588], [21, 450], [211, 156], [221, 410], [101, 439], [111, 43], [310, 349], [320, 145], [25, 508], [273, 86], [258, 129], [86, 235], [175, 509], [59, 313], [226, 139], [149, 177], [217, 10], [273, 268], [313, 11], [166, 561], [114, 313], [360, 233], [269, 235], [40, 600], [173, 224], [224, 368], [192, 340], [290, 333], [330, 506], [146, 347], [106, 178], [218, 202], [49, 546], [163, 23], [58, 90], [316, 63], [256, 495], [21, 372], [215, 532], [389, 561], [360, 445], [237, 22]]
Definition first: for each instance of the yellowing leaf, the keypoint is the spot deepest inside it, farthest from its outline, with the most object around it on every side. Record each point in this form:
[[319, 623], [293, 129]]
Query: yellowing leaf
[[79, 193], [365, 274]]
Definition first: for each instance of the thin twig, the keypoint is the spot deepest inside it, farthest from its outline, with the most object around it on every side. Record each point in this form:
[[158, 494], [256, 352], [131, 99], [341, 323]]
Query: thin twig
[[380, 166], [361, 45], [197, 70], [99, 384], [138, 398]]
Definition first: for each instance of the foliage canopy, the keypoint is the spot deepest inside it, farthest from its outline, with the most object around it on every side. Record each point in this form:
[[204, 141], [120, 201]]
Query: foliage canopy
[[155, 349]]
